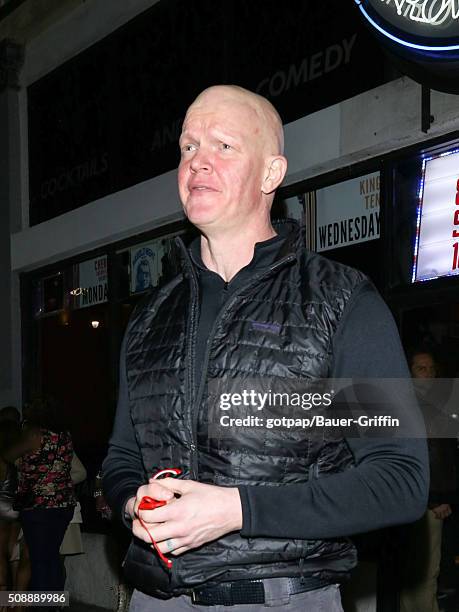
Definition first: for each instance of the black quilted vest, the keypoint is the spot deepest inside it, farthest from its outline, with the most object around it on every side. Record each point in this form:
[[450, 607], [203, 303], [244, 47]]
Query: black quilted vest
[[301, 298]]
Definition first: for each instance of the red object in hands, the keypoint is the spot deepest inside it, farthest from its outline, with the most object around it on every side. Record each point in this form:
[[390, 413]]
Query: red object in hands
[[149, 503]]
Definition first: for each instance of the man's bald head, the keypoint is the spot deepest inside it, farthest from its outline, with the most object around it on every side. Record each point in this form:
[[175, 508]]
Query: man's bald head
[[268, 118], [231, 162]]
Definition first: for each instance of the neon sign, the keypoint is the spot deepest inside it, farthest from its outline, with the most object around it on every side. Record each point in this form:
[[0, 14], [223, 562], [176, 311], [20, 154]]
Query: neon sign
[[432, 12], [422, 25]]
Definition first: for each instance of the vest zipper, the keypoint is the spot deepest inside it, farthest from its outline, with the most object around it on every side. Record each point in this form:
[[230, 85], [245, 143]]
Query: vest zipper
[[225, 308], [190, 367]]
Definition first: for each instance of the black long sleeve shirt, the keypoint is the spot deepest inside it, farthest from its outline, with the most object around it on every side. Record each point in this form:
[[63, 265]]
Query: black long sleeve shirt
[[389, 483]]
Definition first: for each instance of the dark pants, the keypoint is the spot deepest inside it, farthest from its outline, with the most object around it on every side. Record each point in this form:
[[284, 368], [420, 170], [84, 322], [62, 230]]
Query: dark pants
[[44, 530]]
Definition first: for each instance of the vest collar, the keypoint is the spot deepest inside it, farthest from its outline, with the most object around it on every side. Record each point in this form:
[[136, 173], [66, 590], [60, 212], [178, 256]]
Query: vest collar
[[289, 228]]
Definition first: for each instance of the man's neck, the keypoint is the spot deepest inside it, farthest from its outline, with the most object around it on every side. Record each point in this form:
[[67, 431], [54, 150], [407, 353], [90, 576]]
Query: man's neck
[[228, 254]]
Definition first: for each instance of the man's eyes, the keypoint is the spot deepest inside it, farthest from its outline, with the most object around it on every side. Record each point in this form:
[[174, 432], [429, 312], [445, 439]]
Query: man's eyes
[[190, 147]]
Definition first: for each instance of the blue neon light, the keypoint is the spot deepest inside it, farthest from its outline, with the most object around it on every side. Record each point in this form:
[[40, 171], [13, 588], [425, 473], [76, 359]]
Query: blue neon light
[[400, 41]]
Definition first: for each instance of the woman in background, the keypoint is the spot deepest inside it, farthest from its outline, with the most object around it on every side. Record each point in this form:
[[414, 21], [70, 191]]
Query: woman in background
[[45, 493]]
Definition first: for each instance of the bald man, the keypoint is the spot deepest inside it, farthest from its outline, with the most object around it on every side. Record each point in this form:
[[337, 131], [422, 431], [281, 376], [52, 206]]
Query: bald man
[[258, 519]]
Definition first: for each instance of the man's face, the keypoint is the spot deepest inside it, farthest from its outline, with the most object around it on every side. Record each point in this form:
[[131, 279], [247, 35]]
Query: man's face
[[423, 366], [222, 162], [143, 275]]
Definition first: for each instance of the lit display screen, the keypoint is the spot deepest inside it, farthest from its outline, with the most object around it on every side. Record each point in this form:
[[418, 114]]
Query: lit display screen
[[436, 250]]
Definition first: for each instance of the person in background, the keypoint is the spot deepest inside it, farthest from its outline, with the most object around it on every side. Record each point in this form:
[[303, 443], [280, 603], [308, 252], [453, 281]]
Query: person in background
[[143, 280], [45, 493], [421, 554]]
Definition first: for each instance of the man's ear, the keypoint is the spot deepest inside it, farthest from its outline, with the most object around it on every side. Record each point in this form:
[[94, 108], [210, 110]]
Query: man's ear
[[274, 173]]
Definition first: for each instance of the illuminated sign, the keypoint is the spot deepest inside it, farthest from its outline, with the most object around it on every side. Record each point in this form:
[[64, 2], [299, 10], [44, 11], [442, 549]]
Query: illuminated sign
[[436, 250], [429, 12], [92, 286], [425, 25], [347, 213]]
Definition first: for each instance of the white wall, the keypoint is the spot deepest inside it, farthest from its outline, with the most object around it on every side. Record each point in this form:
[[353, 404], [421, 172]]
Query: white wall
[[119, 215], [376, 122]]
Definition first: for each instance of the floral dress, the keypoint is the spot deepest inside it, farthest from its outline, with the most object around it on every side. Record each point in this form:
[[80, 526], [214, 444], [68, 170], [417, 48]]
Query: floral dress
[[44, 474]]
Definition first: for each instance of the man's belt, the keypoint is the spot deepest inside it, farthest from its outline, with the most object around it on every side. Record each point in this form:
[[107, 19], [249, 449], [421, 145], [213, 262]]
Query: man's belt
[[251, 591]]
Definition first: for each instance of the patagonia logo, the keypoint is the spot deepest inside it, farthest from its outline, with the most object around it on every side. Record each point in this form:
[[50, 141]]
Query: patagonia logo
[[272, 328]]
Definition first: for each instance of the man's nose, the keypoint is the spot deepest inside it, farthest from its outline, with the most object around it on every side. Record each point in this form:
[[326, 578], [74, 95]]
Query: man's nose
[[201, 161]]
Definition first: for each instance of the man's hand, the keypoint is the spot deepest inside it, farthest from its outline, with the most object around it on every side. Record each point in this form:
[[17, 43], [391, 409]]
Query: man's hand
[[442, 511], [200, 514]]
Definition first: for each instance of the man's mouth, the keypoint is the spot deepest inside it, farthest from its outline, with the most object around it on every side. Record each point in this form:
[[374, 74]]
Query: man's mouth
[[201, 189]]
